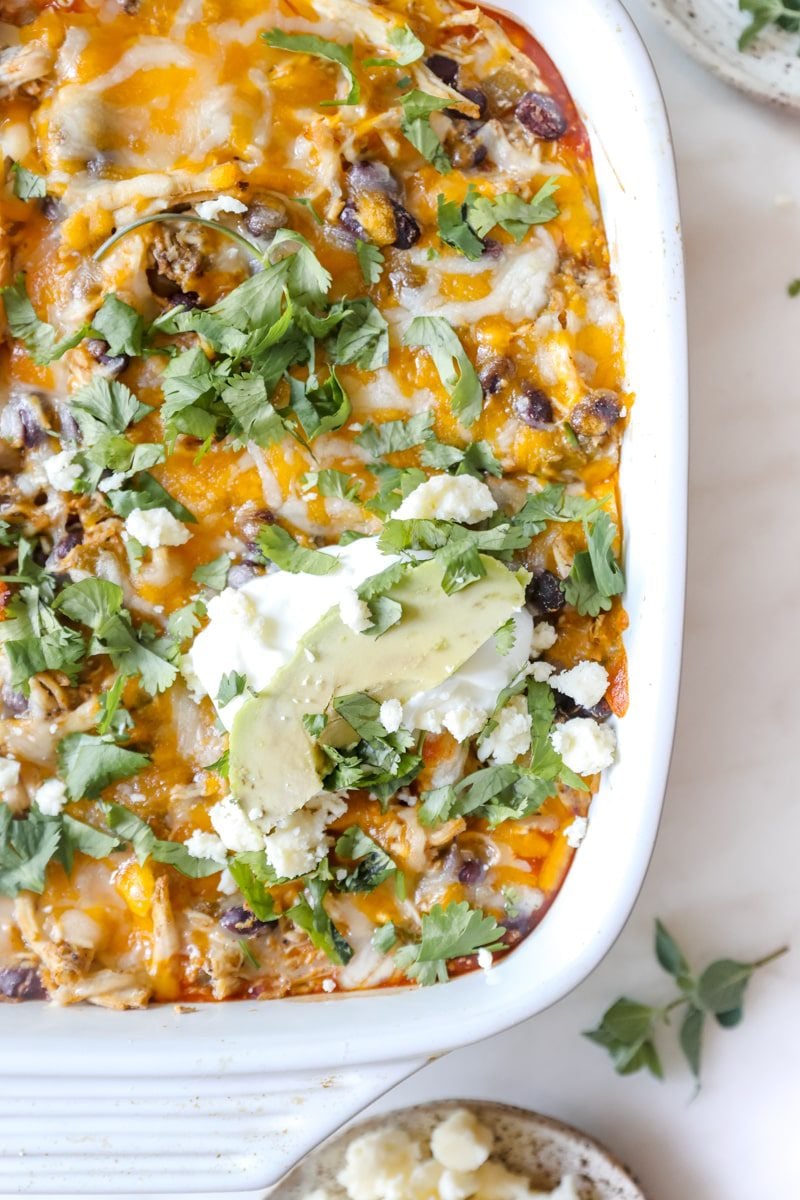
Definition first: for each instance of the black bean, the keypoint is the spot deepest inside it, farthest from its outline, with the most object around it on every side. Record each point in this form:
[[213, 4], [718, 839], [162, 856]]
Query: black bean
[[568, 708], [477, 97], [240, 574], [492, 248], [114, 363], [14, 702], [266, 515], [161, 285], [408, 231], [240, 920], [184, 300], [544, 592], [495, 375], [21, 983], [32, 432], [471, 872], [369, 175], [349, 220], [597, 414], [52, 209], [542, 115], [261, 219], [71, 539], [69, 426], [534, 407], [444, 68]]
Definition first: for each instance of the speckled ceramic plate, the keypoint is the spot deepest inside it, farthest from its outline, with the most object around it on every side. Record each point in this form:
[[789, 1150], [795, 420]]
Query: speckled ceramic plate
[[536, 1146], [710, 29]]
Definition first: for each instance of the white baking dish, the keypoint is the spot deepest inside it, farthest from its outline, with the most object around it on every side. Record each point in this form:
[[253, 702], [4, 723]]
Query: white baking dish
[[228, 1096]]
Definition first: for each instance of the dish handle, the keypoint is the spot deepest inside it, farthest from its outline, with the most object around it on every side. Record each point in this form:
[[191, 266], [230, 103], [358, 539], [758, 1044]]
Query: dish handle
[[175, 1135]]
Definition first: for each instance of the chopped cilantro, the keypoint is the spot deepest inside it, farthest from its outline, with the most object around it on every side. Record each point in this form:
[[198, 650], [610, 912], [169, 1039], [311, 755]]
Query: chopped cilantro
[[456, 931], [416, 125], [374, 865], [370, 260], [89, 763], [129, 827], [40, 339], [281, 548], [27, 184], [309, 43], [405, 43], [436, 335], [230, 686], [596, 576], [390, 437]]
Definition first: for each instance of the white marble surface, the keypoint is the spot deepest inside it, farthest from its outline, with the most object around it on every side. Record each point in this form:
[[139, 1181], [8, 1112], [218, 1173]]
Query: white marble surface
[[724, 876]]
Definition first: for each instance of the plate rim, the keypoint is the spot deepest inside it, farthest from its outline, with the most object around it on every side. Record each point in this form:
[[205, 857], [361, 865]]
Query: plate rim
[[777, 96]]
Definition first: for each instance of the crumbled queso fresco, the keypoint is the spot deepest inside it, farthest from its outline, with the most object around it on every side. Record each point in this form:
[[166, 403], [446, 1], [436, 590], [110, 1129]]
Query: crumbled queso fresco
[[390, 1164]]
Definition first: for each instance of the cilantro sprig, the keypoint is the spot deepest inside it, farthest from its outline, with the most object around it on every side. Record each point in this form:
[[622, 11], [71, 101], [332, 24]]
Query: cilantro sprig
[[460, 379], [29, 843], [464, 225], [317, 47], [628, 1028], [455, 931], [596, 576]]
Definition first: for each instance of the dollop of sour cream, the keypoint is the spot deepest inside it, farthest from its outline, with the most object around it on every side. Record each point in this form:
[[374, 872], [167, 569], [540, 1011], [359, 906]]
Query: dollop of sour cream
[[255, 630]]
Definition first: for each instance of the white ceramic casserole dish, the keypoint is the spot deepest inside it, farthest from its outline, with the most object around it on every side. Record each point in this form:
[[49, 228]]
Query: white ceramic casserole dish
[[228, 1096]]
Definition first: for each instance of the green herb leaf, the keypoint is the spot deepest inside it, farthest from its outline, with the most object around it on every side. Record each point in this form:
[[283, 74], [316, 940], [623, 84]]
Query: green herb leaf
[[256, 419], [390, 437], [119, 325], [513, 214], [370, 260], [384, 937], [309, 914], [307, 43], [314, 723], [768, 12], [596, 576], [407, 45], [691, 1038], [146, 492], [131, 828], [505, 637], [254, 876], [436, 335], [330, 482], [88, 764], [455, 230], [27, 184], [415, 123], [670, 955], [456, 931], [374, 867], [213, 574], [230, 686], [363, 337], [320, 408], [281, 548], [794, 288], [39, 338]]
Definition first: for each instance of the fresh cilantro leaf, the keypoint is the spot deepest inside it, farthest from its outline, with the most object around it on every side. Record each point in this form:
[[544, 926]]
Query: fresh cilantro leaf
[[370, 260], [119, 325], [390, 437], [596, 576], [146, 492], [254, 877], [505, 637], [314, 723], [320, 408], [131, 828], [384, 937], [455, 231], [374, 867], [213, 574], [384, 610], [112, 718], [416, 125], [26, 847], [511, 212], [309, 204], [184, 621], [477, 459], [105, 406], [281, 548], [436, 335], [456, 931], [307, 43], [362, 713], [88, 764], [256, 419], [9, 534], [394, 484], [39, 338], [27, 184], [309, 914], [362, 337], [330, 482], [230, 686], [90, 602], [407, 45]]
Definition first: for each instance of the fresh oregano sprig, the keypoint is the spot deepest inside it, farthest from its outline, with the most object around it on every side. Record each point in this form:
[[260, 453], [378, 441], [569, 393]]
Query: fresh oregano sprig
[[627, 1029]]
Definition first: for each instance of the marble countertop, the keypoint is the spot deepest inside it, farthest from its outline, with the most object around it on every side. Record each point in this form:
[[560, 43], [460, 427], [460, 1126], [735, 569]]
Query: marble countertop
[[724, 876]]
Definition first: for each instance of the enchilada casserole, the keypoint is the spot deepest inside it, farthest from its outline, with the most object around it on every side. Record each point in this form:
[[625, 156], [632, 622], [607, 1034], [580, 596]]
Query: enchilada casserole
[[313, 394]]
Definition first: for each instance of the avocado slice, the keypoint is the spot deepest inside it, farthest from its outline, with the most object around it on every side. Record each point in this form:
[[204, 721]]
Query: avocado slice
[[274, 764]]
